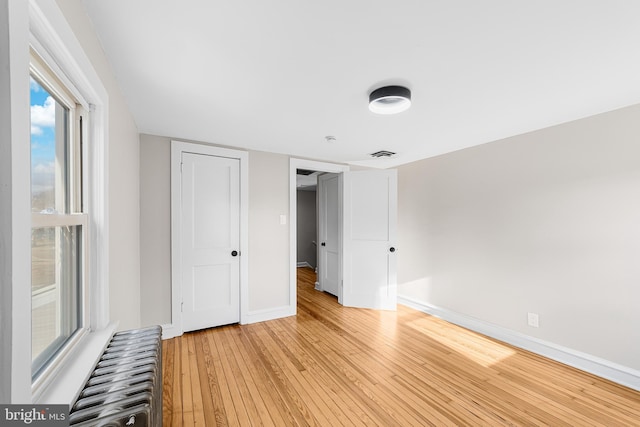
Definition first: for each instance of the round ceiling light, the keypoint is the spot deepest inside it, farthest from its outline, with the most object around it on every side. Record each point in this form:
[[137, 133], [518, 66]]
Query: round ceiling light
[[390, 100]]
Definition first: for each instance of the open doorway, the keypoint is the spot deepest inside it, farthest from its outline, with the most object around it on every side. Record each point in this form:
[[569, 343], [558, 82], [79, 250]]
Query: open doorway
[[367, 206], [307, 222], [319, 229], [304, 219], [308, 251]]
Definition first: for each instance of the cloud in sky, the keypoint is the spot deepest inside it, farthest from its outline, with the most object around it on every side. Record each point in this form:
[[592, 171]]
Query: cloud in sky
[[35, 86], [43, 116], [49, 167]]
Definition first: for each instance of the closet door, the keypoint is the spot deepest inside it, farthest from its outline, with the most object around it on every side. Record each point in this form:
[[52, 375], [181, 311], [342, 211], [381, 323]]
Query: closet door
[[210, 241]]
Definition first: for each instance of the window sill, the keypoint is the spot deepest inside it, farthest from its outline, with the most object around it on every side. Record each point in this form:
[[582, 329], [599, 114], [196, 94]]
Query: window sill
[[66, 384]]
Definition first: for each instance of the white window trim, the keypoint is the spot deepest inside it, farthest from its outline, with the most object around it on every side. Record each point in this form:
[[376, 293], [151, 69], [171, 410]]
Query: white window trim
[[53, 39], [15, 229]]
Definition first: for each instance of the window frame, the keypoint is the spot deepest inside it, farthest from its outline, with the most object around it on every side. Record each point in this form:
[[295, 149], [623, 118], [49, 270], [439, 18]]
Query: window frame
[[74, 213], [52, 38]]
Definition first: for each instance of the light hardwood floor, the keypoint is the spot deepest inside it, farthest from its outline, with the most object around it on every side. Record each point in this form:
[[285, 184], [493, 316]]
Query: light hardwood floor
[[333, 366]]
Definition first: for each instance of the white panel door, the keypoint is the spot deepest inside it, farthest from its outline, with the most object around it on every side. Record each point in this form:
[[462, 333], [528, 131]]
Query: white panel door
[[210, 214], [370, 216], [329, 233]]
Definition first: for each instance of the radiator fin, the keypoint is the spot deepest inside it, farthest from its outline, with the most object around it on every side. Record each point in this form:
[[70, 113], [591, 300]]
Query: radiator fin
[[125, 387]]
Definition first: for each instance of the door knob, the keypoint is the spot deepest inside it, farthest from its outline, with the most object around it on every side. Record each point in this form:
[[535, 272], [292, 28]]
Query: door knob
[[323, 244], [234, 253], [392, 249]]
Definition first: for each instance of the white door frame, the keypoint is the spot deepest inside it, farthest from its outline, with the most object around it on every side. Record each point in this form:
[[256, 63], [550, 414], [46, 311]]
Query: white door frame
[[293, 215], [177, 148]]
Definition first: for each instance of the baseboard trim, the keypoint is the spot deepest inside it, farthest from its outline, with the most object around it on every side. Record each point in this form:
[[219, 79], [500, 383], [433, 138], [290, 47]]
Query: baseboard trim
[[170, 331], [268, 314], [303, 264], [594, 365]]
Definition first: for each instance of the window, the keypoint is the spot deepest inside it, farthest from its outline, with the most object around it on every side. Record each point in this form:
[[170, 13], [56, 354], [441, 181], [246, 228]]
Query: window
[[58, 218]]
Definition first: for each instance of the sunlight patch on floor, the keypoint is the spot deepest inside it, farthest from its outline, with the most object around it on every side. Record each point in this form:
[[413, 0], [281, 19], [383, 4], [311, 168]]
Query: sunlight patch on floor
[[475, 347], [388, 323]]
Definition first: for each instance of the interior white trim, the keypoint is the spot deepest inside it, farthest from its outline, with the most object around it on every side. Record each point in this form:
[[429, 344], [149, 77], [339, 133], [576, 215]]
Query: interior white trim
[[81, 361], [15, 227], [175, 328], [269, 314], [594, 365], [56, 43], [170, 331], [293, 216], [45, 28]]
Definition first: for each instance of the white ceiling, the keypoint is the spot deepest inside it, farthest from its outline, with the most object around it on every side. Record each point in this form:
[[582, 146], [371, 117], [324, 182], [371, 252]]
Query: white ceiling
[[280, 75]]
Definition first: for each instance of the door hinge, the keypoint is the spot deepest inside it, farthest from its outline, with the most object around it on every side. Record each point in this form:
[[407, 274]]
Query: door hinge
[[182, 306], [181, 164]]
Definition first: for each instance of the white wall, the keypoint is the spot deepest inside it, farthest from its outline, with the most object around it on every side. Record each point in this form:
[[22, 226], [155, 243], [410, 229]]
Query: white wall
[[268, 240], [124, 179], [155, 230], [546, 222]]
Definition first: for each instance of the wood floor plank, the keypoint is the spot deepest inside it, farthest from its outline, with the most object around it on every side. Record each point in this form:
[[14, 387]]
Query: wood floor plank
[[339, 402], [196, 387], [168, 365], [370, 388], [186, 381], [251, 397], [211, 406], [260, 414], [231, 398], [307, 388], [296, 409], [278, 411], [180, 398], [332, 365], [293, 368], [348, 411]]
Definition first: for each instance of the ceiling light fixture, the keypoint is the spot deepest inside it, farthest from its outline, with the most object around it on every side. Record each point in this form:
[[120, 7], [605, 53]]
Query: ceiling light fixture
[[390, 100]]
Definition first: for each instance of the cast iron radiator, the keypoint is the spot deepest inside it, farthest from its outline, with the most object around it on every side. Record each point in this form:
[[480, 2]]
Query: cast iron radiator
[[125, 388]]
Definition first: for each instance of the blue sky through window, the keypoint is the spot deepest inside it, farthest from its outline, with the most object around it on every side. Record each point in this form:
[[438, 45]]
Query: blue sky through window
[[43, 150]]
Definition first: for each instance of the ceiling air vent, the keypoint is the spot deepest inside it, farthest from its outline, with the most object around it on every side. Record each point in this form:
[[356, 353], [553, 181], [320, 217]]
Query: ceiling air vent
[[382, 153]]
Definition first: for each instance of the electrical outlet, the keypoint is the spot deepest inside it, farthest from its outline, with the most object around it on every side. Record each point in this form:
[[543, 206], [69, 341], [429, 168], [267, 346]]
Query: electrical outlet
[[532, 320]]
